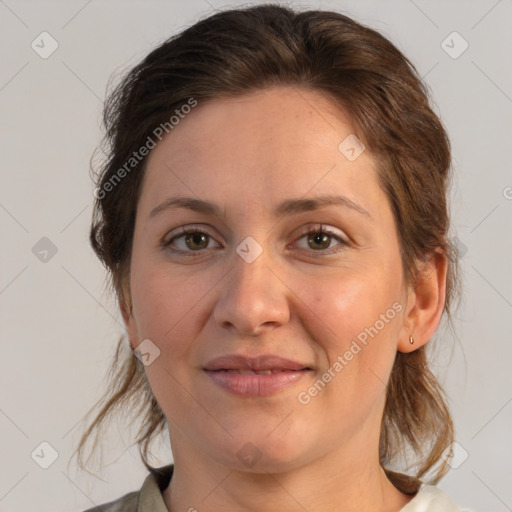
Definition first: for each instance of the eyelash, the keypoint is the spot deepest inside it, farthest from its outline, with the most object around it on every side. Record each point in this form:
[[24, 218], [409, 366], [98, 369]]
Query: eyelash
[[308, 230]]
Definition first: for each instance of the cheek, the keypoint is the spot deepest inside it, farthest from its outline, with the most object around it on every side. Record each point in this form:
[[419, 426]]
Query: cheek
[[167, 307], [169, 311], [355, 319], [355, 347]]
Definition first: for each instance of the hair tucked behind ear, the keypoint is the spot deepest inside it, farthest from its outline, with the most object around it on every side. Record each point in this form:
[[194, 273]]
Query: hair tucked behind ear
[[238, 51]]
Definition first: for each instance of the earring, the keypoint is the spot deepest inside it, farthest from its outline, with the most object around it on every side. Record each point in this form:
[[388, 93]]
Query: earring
[[411, 340]]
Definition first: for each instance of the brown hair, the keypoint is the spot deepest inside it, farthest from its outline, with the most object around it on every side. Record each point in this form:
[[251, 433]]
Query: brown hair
[[237, 51]]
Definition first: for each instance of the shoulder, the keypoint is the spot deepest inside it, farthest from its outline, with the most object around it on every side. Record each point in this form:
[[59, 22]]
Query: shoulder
[[431, 499], [147, 499], [127, 503]]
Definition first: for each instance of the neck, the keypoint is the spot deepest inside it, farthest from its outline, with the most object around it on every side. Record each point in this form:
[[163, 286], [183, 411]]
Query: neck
[[325, 485]]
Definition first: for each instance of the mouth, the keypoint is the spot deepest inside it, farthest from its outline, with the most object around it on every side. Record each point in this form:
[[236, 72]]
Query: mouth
[[255, 376], [257, 372]]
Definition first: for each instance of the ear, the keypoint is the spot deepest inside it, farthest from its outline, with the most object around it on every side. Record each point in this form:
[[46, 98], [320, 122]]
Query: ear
[[425, 304], [125, 305]]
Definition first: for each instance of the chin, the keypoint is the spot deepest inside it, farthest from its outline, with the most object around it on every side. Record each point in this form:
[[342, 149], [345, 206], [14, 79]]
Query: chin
[[264, 455]]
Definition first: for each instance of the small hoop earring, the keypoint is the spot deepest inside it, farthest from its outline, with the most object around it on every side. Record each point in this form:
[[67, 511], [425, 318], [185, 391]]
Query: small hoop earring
[[411, 340]]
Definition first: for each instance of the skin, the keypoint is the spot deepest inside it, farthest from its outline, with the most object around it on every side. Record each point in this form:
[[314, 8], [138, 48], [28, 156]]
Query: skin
[[247, 154]]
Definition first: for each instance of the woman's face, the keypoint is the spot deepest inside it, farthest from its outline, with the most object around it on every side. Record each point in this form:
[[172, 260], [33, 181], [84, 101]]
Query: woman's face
[[270, 344]]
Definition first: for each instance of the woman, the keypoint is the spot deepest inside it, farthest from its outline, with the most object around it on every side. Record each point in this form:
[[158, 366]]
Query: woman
[[273, 216]]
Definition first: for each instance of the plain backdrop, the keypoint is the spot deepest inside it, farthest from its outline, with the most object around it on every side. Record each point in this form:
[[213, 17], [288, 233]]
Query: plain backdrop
[[58, 325]]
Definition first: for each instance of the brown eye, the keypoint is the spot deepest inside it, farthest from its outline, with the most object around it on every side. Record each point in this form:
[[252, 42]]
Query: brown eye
[[191, 240], [196, 241], [319, 240]]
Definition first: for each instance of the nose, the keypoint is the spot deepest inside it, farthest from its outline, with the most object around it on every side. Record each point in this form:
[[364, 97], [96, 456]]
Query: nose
[[253, 298]]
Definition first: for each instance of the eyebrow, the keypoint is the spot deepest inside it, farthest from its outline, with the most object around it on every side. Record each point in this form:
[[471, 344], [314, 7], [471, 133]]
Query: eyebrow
[[286, 208]]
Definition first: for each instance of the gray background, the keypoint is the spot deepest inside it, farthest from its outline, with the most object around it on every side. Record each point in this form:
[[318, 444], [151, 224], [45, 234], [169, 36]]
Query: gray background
[[59, 326]]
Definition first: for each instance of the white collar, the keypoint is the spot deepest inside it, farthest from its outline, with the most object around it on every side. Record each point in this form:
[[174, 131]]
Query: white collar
[[431, 499]]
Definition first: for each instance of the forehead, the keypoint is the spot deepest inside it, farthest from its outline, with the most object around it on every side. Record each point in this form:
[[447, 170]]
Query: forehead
[[263, 146]]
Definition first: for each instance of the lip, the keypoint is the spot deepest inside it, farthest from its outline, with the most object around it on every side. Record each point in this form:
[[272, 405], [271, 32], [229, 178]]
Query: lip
[[255, 376]]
